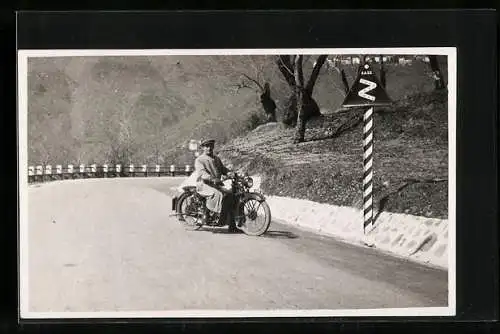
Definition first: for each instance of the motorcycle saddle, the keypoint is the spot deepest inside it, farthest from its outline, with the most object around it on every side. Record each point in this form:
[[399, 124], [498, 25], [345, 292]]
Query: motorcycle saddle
[[189, 188]]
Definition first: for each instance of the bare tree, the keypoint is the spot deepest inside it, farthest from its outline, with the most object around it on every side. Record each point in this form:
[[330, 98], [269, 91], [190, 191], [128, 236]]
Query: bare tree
[[437, 74], [299, 91], [289, 71], [382, 72], [255, 75]]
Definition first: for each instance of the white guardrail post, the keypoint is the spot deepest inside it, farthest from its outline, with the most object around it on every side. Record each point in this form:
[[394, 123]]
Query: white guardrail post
[[45, 172], [39, 173], [31, 173]]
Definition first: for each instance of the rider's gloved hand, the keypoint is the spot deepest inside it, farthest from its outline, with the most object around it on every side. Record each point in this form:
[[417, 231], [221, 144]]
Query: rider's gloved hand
[[216, 181]]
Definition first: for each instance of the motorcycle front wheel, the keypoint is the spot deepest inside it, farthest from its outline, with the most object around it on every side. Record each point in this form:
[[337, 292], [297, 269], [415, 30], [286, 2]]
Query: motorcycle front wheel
[[254, 217]]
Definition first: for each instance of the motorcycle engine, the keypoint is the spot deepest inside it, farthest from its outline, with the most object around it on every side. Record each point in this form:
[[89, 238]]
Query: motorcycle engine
[[227, 184]]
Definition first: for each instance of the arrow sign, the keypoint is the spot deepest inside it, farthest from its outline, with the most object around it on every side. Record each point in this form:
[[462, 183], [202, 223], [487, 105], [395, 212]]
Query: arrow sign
[[366, 90]]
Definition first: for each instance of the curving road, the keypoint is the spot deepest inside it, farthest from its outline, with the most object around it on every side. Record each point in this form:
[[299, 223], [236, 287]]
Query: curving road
[[110, 245]]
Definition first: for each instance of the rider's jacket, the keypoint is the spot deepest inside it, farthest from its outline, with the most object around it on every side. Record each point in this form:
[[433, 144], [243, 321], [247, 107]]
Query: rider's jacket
[[208, 167]]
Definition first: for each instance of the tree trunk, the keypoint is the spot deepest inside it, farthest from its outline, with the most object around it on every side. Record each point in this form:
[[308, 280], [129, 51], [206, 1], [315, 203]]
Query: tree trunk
[[268, 103], [382, 72], [344, 81], [293, 74], [286, 68], [438, 75], [314, 75], [299, 91]]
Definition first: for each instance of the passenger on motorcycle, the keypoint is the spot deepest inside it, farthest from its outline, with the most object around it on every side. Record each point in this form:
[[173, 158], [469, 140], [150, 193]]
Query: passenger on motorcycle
[[210, 169]]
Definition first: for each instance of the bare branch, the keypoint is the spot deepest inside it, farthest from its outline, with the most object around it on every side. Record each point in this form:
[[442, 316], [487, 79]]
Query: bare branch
[[299, 63], [314, 75], [241, 86], [253, 80], [286, 68]]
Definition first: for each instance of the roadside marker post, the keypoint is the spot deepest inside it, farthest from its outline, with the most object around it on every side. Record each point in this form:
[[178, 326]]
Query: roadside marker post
[[31, 174], [367, 91], [48, 172]]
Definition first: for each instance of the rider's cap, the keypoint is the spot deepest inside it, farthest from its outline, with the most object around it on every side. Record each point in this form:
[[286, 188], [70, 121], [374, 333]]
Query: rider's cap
[[207, 142]]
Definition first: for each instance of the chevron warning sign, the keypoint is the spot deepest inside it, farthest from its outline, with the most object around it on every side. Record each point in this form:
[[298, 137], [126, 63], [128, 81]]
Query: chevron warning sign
[[366, 90]]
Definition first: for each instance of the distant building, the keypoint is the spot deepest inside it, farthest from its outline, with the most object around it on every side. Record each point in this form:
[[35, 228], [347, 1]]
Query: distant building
[[404, 61]]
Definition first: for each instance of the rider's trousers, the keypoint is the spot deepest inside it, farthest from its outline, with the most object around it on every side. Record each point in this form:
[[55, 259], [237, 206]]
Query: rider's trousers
[[218, 200]]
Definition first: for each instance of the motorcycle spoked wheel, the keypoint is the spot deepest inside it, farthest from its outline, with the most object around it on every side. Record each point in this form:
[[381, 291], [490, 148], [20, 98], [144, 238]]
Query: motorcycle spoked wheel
[[256, 216], [189, 210]]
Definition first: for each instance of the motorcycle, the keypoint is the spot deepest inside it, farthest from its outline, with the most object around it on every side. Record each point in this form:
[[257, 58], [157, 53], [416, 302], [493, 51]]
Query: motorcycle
[[190, 207]]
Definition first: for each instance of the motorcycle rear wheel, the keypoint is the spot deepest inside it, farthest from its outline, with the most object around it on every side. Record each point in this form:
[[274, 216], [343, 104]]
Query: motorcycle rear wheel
[[189, 216]]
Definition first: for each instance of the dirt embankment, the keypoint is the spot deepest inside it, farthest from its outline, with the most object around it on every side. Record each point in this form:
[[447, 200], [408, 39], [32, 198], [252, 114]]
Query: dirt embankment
[[410, 157]]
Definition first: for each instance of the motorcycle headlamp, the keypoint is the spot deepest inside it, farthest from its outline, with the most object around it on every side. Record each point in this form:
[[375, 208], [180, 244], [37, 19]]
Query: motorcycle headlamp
[[249, 181]]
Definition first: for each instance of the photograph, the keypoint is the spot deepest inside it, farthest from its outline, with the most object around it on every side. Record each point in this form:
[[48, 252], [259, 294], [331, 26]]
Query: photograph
[[185, 183]]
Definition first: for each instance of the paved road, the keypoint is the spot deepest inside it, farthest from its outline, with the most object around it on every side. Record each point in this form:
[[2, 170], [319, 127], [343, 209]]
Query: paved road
[[110, 245]]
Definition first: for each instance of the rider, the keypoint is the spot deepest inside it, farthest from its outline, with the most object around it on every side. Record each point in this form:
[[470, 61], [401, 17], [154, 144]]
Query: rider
[[210, 169]]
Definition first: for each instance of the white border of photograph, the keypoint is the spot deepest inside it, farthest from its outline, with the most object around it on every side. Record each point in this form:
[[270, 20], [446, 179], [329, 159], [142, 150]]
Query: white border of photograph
[[23, 56]]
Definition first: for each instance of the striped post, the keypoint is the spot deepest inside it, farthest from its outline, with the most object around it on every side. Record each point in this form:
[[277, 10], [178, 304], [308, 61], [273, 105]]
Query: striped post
[[368, 168]]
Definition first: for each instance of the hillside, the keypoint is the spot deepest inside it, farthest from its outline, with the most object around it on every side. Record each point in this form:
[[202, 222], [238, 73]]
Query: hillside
[[410, 157], [146, 109], [133, 109]]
